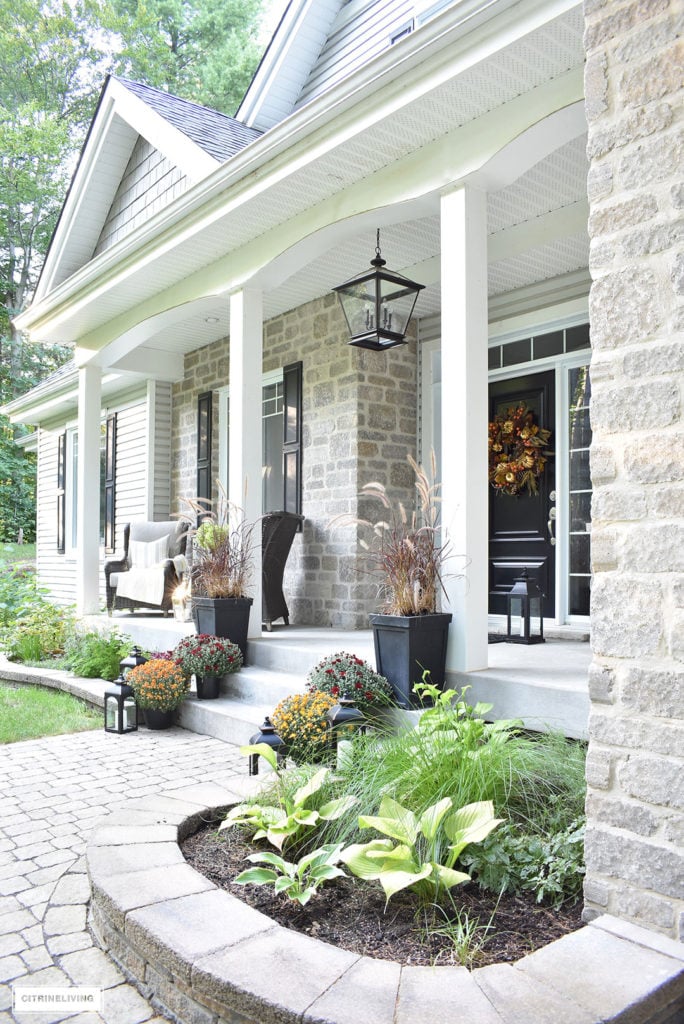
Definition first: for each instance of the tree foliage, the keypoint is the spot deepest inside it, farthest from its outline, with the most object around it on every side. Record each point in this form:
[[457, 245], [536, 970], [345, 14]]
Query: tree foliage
[[54, 56], [202, 50]]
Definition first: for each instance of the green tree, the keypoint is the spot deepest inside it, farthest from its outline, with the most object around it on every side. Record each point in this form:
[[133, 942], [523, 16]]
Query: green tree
[[202, 50], [54, 56]]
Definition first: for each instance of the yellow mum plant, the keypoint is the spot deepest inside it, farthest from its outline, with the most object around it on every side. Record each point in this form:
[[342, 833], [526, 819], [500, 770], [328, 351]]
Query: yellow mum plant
[[300, 721]]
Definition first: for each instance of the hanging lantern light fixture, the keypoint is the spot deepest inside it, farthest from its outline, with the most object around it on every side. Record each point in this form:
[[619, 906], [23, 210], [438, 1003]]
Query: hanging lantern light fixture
[[378, 305]]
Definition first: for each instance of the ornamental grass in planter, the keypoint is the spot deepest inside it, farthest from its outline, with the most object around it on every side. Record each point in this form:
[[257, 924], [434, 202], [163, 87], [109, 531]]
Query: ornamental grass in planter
[[221, 569], [405, 553]]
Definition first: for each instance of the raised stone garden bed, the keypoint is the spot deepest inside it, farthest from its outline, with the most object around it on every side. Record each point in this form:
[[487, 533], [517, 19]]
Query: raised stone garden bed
[[205, 957]]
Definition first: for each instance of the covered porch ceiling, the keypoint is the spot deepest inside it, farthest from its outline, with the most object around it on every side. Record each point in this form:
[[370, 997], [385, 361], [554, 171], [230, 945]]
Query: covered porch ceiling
[[295, 213]]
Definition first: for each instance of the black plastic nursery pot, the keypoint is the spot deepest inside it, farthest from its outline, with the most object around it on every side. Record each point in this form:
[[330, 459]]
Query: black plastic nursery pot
[[208, 687], [408, 645], [227, 617]]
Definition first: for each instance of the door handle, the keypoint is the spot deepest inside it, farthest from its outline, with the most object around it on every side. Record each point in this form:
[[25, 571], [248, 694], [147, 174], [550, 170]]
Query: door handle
[[552, 519]]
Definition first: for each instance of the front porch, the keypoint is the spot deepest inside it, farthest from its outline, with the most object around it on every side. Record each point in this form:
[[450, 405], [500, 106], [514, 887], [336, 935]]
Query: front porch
[[545, 685]]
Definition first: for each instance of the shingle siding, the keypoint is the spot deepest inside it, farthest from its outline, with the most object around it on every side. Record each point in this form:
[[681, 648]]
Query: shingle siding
[[149, 183]]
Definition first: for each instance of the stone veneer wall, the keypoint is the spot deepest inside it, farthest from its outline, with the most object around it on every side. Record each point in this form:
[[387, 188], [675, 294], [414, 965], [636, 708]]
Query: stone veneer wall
[[359, 422], [635, 803]]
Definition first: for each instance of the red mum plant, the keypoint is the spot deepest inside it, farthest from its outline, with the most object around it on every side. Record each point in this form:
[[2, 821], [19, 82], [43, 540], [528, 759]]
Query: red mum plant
[[345, 674], [207, 655]]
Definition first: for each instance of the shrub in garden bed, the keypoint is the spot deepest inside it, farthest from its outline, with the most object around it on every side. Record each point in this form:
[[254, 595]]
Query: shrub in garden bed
[[453, 759], [95, 654]]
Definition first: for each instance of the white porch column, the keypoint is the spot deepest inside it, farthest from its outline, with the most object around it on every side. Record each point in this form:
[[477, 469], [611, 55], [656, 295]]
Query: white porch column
[[464, 421], [245, 444], [88, 491]]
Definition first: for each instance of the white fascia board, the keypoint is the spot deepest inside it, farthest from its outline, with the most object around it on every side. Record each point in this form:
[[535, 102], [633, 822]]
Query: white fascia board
[[349, 108], [284, 46]]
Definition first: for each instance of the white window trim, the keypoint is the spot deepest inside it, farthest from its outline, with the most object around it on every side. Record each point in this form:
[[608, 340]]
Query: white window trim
[[272, 377]]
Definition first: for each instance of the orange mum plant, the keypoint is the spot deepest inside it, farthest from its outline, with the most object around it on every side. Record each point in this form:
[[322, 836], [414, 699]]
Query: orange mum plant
[[158, 684]]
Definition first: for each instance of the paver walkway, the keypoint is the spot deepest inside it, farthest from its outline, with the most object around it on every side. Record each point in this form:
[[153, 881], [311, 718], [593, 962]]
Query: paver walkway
[[52, 793]]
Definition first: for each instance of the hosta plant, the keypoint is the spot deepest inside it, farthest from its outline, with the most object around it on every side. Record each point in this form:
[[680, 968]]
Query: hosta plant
[[286, 821], [426, 848], [298, 880]]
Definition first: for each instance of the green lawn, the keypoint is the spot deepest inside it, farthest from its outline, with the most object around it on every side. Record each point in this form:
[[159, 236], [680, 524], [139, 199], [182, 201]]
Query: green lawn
[[17, 552], [27, 712]]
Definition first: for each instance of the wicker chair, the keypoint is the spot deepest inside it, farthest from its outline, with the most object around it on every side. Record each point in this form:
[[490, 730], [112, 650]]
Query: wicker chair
[[151, 567], [277, 533]]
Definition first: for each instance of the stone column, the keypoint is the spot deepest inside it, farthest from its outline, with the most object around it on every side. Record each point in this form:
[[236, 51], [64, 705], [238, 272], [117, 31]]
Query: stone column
[[635, 768], [464, 422], [88, 491], [244, 447]]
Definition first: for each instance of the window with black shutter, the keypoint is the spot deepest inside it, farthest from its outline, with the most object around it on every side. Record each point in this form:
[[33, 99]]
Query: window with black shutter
[[204, 448], [292, 438]]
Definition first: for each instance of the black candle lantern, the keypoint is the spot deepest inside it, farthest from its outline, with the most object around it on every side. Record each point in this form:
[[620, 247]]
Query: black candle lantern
[[345, 719], [270, 737], [525, 622], [120, 709], [377, 305], [134, 659]]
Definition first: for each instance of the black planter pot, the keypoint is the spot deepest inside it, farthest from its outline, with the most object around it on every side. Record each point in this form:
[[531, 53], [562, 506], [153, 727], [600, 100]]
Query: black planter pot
[[407, 645], [208, 687], [155, 719], [227, 617]]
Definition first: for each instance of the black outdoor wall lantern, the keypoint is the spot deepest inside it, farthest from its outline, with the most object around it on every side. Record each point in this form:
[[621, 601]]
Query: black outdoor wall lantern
[[270, 737], [120, 709], [377, 305], [525, 622]]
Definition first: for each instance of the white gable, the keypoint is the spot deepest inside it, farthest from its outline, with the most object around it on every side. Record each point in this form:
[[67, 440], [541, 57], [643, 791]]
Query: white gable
[[320, 42], [121, 120]]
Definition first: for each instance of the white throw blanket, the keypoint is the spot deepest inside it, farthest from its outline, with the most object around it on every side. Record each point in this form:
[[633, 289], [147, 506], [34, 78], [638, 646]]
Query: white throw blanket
[[144, 585]]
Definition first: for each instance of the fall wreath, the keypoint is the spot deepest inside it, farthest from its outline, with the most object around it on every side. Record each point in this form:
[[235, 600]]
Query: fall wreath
[[516, 451]]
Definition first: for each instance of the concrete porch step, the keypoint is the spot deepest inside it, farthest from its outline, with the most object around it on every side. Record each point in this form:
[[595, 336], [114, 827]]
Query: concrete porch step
[[226, 718], [261, 686]]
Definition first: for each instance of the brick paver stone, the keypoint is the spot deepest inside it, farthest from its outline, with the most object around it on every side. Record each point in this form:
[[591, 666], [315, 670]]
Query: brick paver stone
[[55, 791]]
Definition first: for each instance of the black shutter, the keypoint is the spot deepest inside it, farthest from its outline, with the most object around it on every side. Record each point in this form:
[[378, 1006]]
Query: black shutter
[[204, 448], [61, 492], [292, 438], [110, 485]]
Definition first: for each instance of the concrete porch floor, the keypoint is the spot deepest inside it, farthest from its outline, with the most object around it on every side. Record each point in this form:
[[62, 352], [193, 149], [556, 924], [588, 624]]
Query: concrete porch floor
[[545, 685]]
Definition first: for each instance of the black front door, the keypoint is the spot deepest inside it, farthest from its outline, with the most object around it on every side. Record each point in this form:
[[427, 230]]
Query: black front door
[[519, 533]]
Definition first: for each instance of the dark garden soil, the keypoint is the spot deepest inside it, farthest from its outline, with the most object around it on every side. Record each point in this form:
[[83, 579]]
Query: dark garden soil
[[351, 914]]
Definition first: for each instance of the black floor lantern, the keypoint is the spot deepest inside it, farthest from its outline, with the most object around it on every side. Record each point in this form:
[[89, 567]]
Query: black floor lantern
[[377, 305], [524, 622], [120, 709]]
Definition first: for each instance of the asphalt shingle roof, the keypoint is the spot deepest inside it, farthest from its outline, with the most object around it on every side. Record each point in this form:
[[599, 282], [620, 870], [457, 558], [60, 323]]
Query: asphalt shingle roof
[[217, 134]]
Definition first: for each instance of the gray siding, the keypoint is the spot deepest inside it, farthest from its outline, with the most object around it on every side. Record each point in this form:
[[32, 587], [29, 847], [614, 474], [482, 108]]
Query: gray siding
[[362, 30], [131, 465], [160, 407], [149, 183]]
